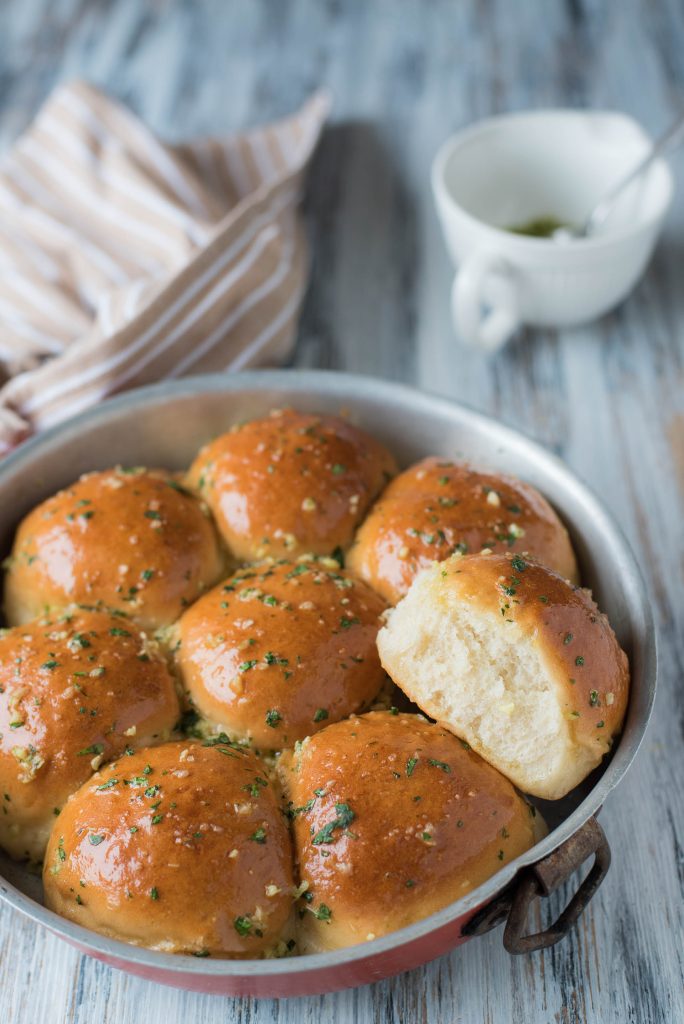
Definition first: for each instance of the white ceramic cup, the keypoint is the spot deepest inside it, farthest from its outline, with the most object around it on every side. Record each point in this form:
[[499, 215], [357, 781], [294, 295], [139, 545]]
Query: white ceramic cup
[[509, 170]]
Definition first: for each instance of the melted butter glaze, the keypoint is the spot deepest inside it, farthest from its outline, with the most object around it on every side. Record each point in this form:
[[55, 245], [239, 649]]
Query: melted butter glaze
[[438, 507], [131, 540], [282, 649], [291, 483], [181, 847], [74, 690], [394, 819]]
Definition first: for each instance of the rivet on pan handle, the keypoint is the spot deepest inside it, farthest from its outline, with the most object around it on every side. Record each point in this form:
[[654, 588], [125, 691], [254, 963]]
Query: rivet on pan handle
[[545, 876]]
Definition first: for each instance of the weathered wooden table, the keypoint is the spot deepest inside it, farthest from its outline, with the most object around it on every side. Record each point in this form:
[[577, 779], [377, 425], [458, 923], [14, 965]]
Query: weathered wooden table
[[608, 398]]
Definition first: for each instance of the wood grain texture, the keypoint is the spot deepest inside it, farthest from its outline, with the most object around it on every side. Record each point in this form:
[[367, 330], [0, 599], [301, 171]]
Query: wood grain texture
[[608, 398]]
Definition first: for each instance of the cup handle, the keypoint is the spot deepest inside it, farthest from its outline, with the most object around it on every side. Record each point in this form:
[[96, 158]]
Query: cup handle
[[486, 330]]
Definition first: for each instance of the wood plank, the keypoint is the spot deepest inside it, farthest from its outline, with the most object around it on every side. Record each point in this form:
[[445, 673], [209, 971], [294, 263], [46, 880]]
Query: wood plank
[[609, 398]]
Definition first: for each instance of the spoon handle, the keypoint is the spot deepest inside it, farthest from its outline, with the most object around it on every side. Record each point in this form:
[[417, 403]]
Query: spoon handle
[[665, 143]]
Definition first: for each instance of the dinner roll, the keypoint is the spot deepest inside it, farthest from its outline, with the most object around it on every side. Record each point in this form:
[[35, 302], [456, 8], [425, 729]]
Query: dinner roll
[[74, 690], [394, 819], [133, 540], [290, 483], [280, 650], [181, 848], [516, 661], [438, 507]]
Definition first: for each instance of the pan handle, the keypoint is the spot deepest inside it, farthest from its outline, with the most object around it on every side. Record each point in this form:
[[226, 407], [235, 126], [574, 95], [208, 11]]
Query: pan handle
[[541, 879], [547, 875]]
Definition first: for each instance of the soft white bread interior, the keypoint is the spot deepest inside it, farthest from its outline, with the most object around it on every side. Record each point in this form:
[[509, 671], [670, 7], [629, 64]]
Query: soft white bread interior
[[514, 660]]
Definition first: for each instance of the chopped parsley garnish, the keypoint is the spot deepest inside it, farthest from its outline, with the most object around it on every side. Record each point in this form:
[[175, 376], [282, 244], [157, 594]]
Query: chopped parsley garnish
[[518, 564], [151, 514], [440, 764], [95, 839], [154, 893], [346, 623], [579, 660], [321, 715], [243, 925], [258, 837], [594, 699], [50, 665], [117, 631], [79, 640], [94, 748], [323, 913], [137, 780], [275, 659], [338, 469], [567, 639], [157, 819], [344, 818], [273, 717], [246, 666], [253, 787], [298, 570], [410, 765], [108, 785]]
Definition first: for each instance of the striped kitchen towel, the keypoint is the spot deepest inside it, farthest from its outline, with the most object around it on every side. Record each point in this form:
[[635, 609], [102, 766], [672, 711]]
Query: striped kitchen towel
[[125, 260]]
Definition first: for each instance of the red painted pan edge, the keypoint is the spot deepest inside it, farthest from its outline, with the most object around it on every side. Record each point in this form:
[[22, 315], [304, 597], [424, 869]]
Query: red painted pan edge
[[309, 982]]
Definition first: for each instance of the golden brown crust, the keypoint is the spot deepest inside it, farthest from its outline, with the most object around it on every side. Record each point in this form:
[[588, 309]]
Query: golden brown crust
[[133, 540], [74, 691], [438, 507], [575, 637], [291, 483], [393, 819], [281, 649], [181, 847]]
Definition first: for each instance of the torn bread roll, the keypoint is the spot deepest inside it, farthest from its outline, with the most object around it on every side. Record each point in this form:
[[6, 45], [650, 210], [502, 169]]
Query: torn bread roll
[[514, 660]]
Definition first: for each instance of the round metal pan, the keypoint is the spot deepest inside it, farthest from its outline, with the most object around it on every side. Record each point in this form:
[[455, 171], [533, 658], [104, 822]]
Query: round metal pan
[[164, 425]]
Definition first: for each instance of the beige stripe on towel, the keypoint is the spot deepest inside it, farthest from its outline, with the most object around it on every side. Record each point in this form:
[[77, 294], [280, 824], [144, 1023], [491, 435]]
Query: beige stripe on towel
[[125, 260]]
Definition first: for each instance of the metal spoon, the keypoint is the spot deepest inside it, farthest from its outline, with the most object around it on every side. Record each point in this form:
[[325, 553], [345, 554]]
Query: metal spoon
[[665, 143]]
